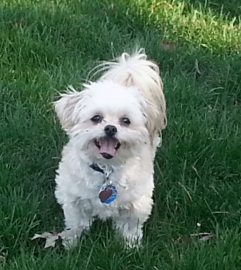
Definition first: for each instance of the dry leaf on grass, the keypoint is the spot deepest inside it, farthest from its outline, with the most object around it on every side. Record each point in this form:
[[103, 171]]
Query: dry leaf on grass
[[194, 238], [202, 236], [206, 238], [51, 238], [168, 45], [164, 3]]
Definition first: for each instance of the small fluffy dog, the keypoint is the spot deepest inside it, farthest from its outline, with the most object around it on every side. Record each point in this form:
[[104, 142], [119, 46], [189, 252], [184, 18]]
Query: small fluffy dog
[[113, 125]]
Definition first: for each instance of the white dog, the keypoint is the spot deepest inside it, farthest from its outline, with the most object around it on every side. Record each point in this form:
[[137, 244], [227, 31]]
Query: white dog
[[113, 125]]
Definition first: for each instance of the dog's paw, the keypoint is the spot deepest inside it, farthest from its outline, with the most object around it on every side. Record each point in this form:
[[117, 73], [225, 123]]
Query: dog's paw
[[133, 242], [69, 239]]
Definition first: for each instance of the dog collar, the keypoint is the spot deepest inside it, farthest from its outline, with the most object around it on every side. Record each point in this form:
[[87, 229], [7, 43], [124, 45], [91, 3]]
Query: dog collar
[[96, 168], [107, 192]]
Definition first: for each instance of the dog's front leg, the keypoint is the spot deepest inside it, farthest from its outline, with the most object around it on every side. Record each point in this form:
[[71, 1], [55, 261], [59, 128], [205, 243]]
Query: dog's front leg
[[131, 219], [131, 229], [76, 220]]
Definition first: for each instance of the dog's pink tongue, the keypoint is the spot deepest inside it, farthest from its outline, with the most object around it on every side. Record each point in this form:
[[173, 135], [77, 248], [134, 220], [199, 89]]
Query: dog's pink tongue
[[107, 146]]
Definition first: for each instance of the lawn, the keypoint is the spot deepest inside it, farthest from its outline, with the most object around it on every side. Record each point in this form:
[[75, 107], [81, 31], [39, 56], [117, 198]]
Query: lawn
[[46, 46]]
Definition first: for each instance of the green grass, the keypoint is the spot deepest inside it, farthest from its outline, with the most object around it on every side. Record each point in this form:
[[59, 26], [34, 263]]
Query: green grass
[[47, 45]]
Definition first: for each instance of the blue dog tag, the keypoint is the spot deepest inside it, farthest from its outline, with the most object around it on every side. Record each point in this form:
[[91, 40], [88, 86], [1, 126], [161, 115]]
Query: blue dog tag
[[107, 194]]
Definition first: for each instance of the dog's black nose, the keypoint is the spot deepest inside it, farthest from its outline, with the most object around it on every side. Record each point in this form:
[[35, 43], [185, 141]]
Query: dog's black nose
[[110, 130]]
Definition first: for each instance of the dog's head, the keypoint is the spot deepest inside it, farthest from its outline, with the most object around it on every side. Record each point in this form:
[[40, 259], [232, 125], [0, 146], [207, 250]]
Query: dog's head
[[105, 121]]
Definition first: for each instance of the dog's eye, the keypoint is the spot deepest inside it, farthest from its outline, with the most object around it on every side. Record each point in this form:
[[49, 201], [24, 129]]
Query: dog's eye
[[97, 119], [126, 121]]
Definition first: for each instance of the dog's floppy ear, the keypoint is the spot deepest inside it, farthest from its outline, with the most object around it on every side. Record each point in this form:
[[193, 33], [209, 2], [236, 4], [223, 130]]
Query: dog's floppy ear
[[68, 107], [156, 120]]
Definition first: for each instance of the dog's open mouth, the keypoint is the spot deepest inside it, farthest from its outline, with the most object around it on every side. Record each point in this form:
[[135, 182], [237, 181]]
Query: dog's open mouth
[[107, 146]]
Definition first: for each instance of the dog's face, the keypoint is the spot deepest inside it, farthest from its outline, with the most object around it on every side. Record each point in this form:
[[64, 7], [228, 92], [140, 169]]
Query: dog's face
[[105, 121]]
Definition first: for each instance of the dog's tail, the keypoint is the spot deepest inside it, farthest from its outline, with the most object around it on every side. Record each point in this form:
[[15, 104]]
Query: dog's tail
[[136, 70]]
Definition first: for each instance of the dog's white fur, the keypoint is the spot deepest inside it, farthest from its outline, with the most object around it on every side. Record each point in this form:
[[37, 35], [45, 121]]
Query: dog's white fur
[[132, 88]]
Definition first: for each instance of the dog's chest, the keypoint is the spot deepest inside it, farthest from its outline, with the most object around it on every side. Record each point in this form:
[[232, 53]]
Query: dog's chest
[[102, 185], [98, 180]]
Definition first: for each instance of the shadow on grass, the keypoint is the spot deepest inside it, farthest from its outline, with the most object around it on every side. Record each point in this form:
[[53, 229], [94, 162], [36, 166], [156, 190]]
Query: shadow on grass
[[231, 8], [40, 40]]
